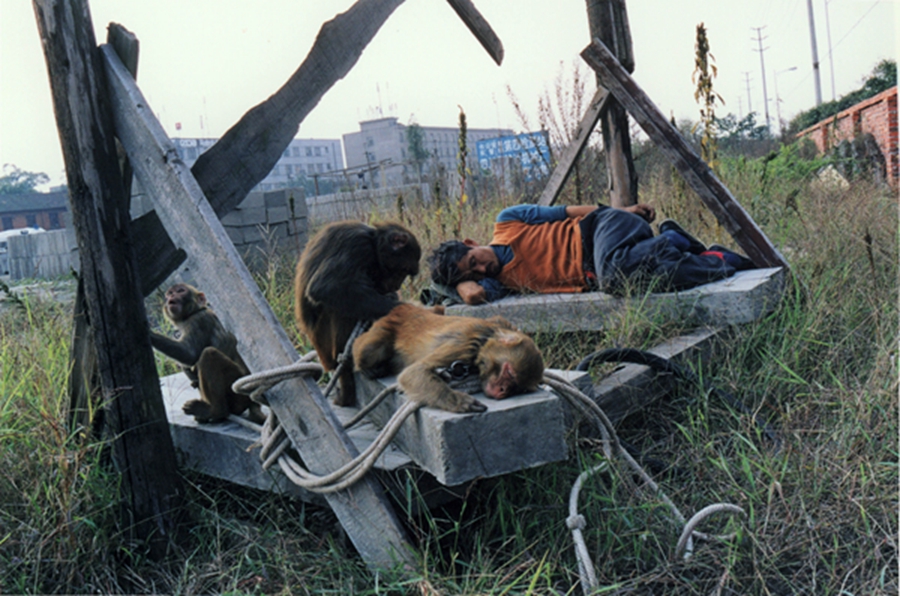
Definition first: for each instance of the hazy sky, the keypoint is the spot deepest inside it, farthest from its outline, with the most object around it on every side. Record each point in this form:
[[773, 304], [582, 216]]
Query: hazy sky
[[204, 63]]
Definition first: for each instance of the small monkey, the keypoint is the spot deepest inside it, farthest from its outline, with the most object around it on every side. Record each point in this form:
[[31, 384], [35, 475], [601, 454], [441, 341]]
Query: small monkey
[[348, 272], [415, 341], [208, 353]]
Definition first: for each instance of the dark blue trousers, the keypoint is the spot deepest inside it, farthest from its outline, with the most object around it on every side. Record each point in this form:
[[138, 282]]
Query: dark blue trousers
[[628, 256]]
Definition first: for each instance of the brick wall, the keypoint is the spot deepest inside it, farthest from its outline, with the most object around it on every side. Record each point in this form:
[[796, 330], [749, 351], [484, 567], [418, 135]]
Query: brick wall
[[876, 115]]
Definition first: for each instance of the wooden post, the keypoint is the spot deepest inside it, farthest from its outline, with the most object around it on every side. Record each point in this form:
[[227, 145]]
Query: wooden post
[[142, 446], [608, 21], [695, 171], [301, 408]]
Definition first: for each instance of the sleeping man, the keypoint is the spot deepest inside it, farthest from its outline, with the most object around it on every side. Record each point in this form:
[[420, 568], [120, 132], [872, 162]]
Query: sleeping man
[[579, 248]]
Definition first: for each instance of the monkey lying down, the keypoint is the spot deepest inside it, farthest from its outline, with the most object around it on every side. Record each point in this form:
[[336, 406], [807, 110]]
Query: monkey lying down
[[417, 342], [208, 353]]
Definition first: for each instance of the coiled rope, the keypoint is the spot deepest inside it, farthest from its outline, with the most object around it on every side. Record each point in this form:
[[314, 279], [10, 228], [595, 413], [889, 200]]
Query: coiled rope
[[275, 443]]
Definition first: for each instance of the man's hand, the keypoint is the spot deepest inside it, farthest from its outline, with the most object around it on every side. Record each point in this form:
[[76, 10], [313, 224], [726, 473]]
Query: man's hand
[[644, 210], [471, 292]]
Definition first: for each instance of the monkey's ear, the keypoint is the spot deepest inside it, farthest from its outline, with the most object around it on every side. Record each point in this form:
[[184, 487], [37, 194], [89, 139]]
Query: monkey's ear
[[398, 240], [201, 299]]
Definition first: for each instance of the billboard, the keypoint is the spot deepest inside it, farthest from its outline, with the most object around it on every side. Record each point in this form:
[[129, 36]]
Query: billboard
[[531, 150]]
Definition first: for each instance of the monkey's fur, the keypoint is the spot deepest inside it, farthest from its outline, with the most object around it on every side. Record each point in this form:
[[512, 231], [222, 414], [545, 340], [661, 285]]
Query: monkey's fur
[[414, 341], [208, 353], [350, 272]]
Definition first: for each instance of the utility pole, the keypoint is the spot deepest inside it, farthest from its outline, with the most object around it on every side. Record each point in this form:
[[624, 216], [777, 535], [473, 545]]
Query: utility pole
[[815, 52], [747, 83], [778, 98], [830, 53], [762, 65]]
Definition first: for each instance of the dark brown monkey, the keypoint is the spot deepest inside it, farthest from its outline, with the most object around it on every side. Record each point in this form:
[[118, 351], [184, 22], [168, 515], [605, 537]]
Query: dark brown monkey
[[418, 341], [350, 272], [208, 353]]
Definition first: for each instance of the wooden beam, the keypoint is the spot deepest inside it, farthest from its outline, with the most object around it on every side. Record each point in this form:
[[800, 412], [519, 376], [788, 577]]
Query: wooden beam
[[141, 444], [608, 21], [570, 155], [479, 27], [698, 175], [309, 421]]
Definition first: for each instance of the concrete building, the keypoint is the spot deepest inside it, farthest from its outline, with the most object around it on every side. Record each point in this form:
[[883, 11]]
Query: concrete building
[[380, 150], [301, 164]]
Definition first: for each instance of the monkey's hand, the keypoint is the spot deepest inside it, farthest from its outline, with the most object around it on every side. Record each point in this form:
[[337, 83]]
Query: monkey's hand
[[463, 403]]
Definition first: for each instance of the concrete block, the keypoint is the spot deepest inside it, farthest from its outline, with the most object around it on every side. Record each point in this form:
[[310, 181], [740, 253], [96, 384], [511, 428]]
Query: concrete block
[[223, 449], [253, 216], [742, 298], [277, 198], [254, 200], [513, 434], [236, 234], [275, 215]]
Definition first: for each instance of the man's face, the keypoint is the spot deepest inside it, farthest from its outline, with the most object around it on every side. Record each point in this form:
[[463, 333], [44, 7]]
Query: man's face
[[479, 262]]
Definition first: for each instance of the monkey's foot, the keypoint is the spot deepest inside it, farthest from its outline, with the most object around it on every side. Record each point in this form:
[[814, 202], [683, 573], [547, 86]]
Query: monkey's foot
[[200, 410]]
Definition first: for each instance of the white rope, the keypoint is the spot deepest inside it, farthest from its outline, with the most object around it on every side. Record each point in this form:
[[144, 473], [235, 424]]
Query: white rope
[[610, 441], [275, 442]]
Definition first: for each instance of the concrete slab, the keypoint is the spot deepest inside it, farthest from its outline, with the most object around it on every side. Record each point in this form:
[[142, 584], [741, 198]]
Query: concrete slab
[[742, 298], [221, 449], [513, 434]]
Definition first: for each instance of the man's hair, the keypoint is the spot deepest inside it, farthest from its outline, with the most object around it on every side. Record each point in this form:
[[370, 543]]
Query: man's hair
[[443, 262]]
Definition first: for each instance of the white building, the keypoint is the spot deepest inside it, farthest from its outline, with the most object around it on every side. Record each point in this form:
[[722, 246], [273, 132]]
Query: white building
[[304, 160], [380, 150]]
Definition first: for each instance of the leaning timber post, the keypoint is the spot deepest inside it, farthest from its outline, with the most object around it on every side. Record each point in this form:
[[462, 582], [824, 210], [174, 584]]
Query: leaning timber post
[[85, 413], [608, 21], [142, 446], [698, 175]]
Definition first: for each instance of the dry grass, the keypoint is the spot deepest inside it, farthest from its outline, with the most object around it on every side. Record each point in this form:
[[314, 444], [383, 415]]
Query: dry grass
[[821, 503]]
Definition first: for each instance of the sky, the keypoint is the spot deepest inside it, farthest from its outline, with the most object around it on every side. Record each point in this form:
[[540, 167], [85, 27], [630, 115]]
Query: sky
[[204, 63]]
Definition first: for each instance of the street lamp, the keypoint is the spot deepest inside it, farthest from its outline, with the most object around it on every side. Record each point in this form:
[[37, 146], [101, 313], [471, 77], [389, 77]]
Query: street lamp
[[778, 98]]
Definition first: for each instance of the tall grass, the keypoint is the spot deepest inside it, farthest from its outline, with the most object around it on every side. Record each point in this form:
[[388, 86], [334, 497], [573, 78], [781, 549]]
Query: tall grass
[[821, 501]]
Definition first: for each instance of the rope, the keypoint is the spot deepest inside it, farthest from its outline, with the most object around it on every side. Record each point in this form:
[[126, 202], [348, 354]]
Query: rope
[[275, 443], [612, 446]]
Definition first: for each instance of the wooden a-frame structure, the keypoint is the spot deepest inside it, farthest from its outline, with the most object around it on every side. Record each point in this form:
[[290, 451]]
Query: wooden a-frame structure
[[97, 106]]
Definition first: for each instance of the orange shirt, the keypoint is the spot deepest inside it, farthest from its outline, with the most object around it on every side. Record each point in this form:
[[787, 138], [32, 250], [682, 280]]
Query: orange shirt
[[547, 257]]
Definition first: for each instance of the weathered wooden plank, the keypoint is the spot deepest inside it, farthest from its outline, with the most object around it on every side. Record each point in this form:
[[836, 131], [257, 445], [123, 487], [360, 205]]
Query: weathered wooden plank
[[608, 21], [742, 298], [698, 175], [512, 434], [479, 27], [570, 155], [142, 448], [313, 428]]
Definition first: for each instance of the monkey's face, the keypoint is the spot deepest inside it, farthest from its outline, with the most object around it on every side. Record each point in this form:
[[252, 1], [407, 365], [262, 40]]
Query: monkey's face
[[181, 301], [502, 383]]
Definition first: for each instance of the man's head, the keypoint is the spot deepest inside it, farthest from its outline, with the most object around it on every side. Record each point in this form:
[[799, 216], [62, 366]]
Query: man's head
[[453, 262]]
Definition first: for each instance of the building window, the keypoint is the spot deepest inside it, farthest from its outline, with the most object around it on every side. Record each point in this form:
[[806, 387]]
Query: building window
[[309, 152], [54, 220], [31, 220], [310, 168], [326, 149], [7, 223], [319, 168], [288, 170], [296, 151], [318, 151], [287, 152], [328, 167]]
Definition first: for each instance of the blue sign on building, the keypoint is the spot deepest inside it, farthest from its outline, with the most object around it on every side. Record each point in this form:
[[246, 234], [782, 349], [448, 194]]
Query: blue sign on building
[[531, 149]]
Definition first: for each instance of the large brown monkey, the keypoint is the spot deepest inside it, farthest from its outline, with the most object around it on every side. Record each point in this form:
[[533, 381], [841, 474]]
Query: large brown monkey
[[418, 341], [350, 272], [208, 353]]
